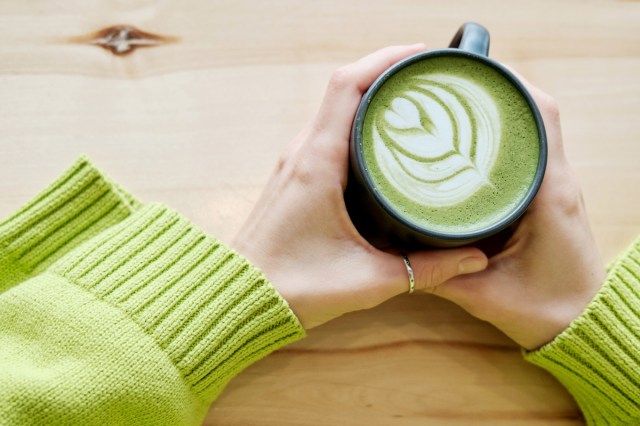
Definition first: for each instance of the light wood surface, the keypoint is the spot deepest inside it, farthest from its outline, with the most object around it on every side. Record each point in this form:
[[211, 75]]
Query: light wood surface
[[198, 121]]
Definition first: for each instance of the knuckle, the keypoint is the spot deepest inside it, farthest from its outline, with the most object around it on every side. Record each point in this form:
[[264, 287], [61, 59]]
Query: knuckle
[[549, 106], [303, 175], [292, 163], [340, 79], [566, 195], [285, 161], [299, 171], [282, 162]]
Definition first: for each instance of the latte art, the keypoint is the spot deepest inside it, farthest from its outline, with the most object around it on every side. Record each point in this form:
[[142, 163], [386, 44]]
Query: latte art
[[437, 141], [449, 144]]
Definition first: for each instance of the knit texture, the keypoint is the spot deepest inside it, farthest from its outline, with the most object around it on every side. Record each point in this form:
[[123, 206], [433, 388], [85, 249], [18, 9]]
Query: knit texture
[[77, 206], [144, 322], [598, 357], [116, 313], [210, 310]]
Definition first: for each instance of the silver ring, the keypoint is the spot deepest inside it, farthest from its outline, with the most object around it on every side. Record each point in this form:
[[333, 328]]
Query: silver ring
[[412, 282]]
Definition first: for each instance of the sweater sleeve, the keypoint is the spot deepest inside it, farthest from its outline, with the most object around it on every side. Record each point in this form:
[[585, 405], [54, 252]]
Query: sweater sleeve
[[143, 323], [598, 357], [78, 205]]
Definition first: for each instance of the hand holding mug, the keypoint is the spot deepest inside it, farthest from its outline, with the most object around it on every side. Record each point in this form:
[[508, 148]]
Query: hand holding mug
[[550, 268], [300, 234]]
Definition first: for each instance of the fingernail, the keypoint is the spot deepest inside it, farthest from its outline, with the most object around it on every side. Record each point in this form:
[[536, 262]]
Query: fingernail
[[469, 265]]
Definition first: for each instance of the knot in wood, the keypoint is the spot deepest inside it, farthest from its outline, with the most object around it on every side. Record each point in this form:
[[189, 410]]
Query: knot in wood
[[124, 39]]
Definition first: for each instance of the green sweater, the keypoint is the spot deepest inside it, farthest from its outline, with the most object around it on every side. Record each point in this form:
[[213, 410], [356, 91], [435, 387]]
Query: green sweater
[[115, 312]]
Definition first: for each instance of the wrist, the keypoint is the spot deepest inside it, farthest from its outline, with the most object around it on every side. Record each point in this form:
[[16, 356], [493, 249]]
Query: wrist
[[555, 317], [596, 357]]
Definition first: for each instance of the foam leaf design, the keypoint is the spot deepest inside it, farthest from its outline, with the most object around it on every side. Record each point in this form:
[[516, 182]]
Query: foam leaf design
[[438, 140], [403, 114]]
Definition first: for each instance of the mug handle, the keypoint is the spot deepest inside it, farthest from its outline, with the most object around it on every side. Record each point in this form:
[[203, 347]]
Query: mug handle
[[473, 38]]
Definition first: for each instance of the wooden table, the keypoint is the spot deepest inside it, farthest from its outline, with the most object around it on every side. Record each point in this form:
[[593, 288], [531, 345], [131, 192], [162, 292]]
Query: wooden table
[[197, 119]]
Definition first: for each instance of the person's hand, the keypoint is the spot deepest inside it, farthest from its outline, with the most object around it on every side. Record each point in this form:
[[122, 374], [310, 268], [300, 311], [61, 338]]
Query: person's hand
[[300, 234], [550, 268]]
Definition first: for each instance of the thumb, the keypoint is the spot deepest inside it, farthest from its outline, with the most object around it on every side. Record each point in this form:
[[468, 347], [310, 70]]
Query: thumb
[[434, 267]]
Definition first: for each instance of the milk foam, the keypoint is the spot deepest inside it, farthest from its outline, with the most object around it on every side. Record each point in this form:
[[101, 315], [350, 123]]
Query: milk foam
[[438, 140]]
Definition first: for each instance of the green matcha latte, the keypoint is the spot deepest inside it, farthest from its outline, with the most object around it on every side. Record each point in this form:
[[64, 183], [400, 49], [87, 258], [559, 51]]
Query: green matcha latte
[[450, 144]]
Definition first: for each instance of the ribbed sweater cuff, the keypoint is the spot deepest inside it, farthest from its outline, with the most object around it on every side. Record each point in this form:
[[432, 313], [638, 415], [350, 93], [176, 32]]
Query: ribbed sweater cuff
[[598, 357], [78, 205], [207, 307]]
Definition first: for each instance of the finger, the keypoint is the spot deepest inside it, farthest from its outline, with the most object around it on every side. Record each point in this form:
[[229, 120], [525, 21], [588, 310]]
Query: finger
[[431, 268], [469, 291], [550, 112], [348, 84]]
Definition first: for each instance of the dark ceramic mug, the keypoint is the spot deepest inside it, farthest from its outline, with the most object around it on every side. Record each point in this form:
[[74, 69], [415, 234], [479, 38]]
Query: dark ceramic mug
[[374, 217]]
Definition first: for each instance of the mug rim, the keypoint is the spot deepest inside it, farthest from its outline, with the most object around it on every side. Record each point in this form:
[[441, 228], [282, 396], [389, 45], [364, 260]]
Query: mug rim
[[523, 205]]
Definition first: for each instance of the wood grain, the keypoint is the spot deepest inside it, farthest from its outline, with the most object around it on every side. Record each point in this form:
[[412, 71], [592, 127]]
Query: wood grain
[[198, 123]]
